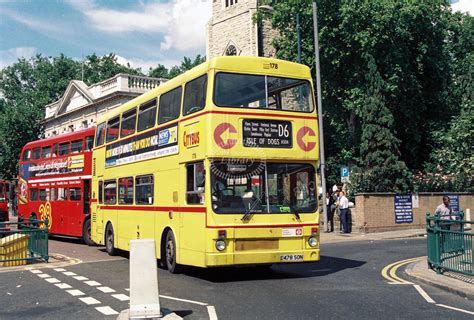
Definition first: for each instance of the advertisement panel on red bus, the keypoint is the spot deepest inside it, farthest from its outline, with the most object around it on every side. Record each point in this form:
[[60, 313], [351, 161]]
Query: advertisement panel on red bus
[[54, 183]]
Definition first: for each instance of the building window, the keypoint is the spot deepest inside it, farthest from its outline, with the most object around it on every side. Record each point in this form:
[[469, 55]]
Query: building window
[[230, 2], [195, 178], [84, 124], [71, 128]]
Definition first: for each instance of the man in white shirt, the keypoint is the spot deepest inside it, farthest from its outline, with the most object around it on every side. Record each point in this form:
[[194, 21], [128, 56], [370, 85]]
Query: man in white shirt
[[344, 207], [444, 212]]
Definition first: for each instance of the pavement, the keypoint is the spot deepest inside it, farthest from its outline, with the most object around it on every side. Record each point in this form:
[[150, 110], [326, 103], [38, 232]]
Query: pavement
[[359, 236]]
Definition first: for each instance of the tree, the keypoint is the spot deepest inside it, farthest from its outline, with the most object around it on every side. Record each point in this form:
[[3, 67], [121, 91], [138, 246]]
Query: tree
[[187, 64], [28, 86], [380, 167], [407, 40]]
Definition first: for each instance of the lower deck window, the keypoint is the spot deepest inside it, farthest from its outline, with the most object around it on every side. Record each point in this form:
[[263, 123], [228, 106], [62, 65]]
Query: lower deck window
[[75, 194], [125, 190], [195, 178], [144, 186], [110, 192]]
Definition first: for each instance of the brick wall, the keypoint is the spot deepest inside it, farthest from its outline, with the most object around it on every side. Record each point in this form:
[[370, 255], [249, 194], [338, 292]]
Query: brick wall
[[375, 212]]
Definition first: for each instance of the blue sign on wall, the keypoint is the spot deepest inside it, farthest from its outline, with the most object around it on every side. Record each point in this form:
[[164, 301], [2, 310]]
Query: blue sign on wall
[[453, 202], [403, 208]]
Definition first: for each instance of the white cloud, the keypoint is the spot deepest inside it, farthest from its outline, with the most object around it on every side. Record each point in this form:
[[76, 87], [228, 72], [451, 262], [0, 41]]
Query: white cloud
[[182, 23], [463, 6], [10, 56]]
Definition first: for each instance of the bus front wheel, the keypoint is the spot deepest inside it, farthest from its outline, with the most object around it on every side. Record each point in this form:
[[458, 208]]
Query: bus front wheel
[[109, 241], [170, 251], [86, 233]]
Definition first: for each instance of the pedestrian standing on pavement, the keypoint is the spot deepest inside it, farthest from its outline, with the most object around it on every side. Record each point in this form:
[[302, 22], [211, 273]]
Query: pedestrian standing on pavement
[[444, 212], [344, 207], [331, 208]]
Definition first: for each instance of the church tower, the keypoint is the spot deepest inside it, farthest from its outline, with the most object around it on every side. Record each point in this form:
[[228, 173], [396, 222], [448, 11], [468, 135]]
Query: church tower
[[233, 31]]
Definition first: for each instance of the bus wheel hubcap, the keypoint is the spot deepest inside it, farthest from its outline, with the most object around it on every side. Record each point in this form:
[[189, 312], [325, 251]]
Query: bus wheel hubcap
[[170, 251]]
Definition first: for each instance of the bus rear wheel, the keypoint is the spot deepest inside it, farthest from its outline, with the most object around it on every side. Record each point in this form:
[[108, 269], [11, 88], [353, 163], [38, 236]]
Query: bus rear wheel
[[86, 233], [109, 241], [170, 251]]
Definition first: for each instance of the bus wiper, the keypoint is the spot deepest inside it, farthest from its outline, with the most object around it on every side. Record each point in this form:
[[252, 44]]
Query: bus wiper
[[247, 216], [295, 212]]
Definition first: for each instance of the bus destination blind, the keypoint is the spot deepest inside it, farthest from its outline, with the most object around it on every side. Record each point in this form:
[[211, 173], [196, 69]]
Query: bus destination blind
[[267, 133]]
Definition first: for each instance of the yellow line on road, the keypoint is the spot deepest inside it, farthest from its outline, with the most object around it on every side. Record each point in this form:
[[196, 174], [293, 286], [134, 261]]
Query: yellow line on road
[[390, 271]]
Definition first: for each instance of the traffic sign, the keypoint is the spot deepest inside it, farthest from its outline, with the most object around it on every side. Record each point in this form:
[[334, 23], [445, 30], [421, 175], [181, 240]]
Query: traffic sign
[[344, 171]]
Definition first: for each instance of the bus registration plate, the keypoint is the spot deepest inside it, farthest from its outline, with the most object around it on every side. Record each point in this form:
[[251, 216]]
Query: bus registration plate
[[292, 257]]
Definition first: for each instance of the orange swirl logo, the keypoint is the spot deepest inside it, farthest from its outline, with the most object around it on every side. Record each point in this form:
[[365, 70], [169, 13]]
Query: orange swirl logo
[[45, 213]]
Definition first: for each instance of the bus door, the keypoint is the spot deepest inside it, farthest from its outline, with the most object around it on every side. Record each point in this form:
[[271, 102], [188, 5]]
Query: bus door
[[75, 216], [86, 197]]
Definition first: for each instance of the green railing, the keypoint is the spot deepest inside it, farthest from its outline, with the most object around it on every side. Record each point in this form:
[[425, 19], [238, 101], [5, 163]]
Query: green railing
[[23, 242], [450, 244]]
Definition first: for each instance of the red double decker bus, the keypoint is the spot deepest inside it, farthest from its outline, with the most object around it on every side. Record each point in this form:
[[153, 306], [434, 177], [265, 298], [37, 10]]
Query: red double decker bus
[[3, 201], [55, 183]]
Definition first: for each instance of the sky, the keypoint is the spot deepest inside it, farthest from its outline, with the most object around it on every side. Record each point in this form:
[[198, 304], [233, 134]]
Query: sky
[[144, 33]]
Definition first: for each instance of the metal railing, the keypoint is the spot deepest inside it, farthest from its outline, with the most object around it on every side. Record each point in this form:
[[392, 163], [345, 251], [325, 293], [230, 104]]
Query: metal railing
[[450, 244], [22, 242]]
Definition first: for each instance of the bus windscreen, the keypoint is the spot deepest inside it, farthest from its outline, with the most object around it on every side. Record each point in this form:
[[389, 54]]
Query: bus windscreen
[[261, 91]]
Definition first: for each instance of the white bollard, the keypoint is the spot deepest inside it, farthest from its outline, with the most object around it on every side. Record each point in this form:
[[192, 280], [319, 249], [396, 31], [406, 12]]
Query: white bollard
[[144, 294]]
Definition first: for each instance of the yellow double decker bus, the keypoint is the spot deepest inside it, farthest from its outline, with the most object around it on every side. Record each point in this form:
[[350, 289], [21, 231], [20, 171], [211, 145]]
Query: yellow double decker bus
[[218, 165]]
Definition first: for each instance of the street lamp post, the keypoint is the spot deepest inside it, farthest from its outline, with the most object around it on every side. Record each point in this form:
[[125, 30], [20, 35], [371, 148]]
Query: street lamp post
[[322, 161]]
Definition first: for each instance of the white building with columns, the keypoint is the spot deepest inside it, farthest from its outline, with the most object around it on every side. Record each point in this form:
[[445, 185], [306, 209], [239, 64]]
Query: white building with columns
[[81, 105]]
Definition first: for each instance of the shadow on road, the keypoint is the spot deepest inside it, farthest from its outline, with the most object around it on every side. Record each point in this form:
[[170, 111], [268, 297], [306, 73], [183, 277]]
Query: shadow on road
[[327, 265]]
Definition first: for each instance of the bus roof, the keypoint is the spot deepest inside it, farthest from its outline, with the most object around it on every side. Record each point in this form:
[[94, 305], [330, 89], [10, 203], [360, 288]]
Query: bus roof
[[61, 138], [244, 64]]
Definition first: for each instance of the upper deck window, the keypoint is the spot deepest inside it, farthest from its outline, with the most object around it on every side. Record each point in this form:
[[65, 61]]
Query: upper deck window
[[46, 152], [195, 95], [100, 134], [26, 155], [64, 149], [262, 92], [129, 120], [170, 105], [147, 115], [113, 129], [89, 143], [36, 155], [76, 146]]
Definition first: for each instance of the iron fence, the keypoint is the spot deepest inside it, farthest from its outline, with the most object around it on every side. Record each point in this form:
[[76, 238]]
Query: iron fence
[[450, 244], [23, 242]]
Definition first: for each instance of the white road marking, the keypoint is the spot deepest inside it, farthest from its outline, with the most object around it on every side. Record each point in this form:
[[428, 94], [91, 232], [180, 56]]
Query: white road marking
[[212, 312], [423, 294], [52, 280], [59, 269], [63, 286], [75, 292], [80, 278], [108, 311], [69, 273], [89, 300], [36, 271], [106, 289], [184, 300], [92, 283], [43, 275], [121, 297], [453, 308]]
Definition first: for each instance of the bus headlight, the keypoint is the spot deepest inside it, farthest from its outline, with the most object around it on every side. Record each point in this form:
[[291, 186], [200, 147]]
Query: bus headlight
[[313, 242], [220, 245]]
